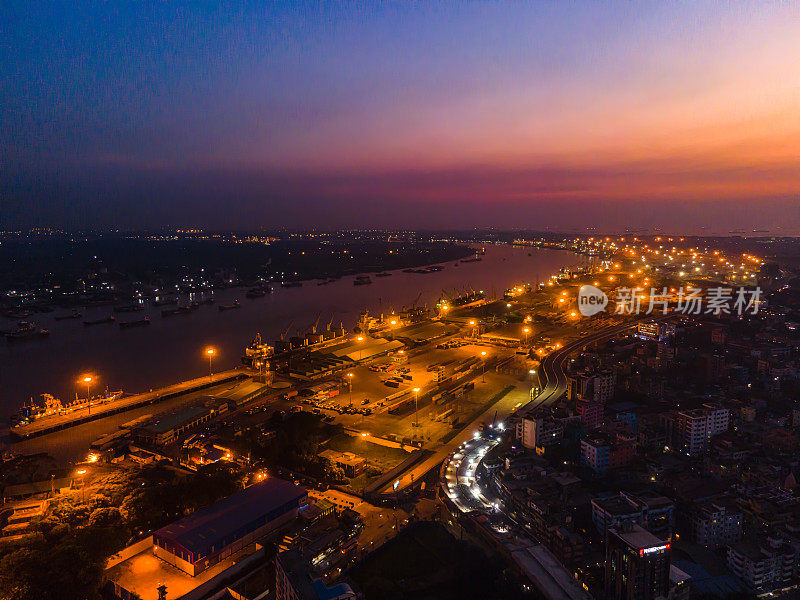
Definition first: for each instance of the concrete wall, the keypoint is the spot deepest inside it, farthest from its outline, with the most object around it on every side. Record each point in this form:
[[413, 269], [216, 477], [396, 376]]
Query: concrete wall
[[129, 552]]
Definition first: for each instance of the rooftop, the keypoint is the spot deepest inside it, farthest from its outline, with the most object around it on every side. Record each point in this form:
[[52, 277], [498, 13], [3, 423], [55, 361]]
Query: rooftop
[[305, 584], [211, 524], [638, 538], [176, 419]]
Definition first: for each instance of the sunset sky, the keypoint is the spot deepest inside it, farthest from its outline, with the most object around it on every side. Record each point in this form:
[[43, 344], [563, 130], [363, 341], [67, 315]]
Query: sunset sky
[[560, 115]]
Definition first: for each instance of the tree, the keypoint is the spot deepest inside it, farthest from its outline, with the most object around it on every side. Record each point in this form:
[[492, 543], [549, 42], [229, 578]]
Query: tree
[[42, 572]]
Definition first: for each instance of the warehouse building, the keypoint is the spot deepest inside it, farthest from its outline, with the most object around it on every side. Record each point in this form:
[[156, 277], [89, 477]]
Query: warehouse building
[[213, 533]]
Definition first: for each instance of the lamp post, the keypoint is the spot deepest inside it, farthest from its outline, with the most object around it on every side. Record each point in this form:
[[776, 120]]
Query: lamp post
[[473, 324], [82, 473], [526, 331], [483, 367], [360, 339], [210, 352], [350, 386], [87, 381], [416, 407]]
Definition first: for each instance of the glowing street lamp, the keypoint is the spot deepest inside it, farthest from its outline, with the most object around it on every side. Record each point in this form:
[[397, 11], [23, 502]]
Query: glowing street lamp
[[210, 352], [350, 386], [474, 324], [526, 331], [87, 381], [533, 382], [483, 367], [416, 407]]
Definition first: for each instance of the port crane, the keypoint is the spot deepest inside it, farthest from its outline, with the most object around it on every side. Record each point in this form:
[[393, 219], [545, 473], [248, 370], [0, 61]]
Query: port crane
[[285, 332]]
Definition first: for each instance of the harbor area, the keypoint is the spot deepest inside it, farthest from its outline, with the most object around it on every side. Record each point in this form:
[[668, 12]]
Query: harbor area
[[59, 420]]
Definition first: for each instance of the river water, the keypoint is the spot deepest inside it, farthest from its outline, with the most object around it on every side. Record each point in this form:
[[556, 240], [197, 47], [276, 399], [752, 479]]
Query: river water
[[172, 349]]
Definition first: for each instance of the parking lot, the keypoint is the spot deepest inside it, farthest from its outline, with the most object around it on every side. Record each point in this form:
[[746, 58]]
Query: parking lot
[[380, 397]]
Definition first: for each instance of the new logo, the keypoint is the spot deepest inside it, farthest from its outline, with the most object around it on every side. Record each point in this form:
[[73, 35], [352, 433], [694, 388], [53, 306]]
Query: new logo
[[591, 300]]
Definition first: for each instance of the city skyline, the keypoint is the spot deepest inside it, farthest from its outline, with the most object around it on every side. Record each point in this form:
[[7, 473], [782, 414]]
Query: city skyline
[[553, 116]]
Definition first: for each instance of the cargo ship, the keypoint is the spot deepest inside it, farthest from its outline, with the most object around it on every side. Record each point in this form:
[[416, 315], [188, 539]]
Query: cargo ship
[[425, 270], [73, 315], [139, 323], [257, 292], [470, 298], [128, 308], [180, 310], [233, 306], [362, 280], [165, 301], [109, 319], [26, 331], [257, 354]]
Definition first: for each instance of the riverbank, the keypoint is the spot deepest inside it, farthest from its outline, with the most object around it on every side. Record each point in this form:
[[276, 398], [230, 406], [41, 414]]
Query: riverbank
[[172, 349]]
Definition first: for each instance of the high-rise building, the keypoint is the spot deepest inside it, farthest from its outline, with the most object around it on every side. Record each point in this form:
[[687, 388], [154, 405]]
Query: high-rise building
[[716, 523], [541, 431], [695, 428], [771, 563], [599, 388], [601, 454], [591, 414], [654, 513], [637, 565]]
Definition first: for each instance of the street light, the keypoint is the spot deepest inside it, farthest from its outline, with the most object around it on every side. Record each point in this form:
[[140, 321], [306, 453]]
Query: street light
[[483, 367], [416, 407], [82, 472], [210, 352], [526, 331], [87, 381], [350, 385], [473, 323]]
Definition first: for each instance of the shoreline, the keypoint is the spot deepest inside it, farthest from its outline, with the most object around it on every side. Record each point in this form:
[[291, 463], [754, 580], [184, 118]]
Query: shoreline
[[137, 359]]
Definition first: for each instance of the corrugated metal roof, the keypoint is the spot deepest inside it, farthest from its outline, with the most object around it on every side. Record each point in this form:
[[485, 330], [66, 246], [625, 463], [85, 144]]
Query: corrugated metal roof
[[210, 525]]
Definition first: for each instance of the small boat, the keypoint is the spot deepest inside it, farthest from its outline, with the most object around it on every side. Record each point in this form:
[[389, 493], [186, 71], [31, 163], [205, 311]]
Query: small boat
[[324, 282], [233, 306], [180, 310], [128, 308], [74, 315], [18, 313], [256, 292], [409, 270], [26, 331], [139, 323], [109, 319], [290, 284], [384, 274], [471, 260], [165, 301], [362, 280], [101, 302]]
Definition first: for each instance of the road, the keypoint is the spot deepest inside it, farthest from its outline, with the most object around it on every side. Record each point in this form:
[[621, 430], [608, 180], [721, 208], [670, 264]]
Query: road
[[552, 373], [458, 480]]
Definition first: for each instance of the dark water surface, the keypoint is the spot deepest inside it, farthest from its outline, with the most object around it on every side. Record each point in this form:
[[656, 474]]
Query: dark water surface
[[171, 349]]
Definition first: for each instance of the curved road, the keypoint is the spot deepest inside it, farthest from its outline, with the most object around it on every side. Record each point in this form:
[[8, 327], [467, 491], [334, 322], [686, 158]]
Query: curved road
[[553, 377]]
